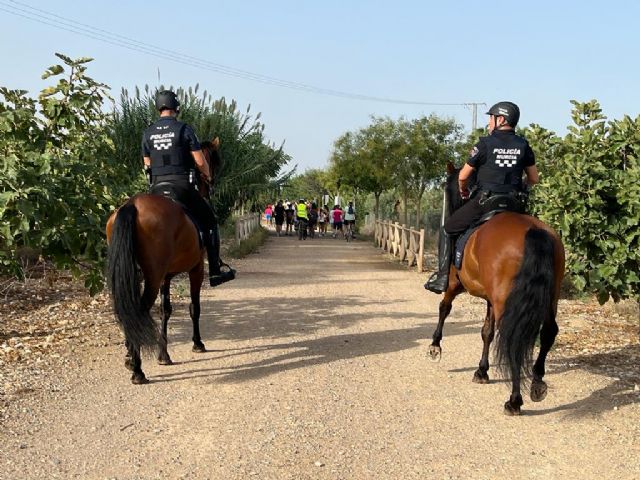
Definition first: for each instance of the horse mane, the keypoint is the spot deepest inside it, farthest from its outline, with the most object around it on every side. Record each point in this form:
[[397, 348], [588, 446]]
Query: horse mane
[[215, 156]]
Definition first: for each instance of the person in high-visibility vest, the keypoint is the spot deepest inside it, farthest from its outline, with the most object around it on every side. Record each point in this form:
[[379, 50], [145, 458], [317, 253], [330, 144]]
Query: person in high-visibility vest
[[301, 210], [303, 218]]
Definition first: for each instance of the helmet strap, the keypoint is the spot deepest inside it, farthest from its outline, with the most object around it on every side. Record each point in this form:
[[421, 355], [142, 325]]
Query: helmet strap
[[503, 124]]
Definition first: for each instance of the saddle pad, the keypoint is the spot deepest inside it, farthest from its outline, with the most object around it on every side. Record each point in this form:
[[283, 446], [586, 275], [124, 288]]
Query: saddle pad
[[464, 238], [460, 244]]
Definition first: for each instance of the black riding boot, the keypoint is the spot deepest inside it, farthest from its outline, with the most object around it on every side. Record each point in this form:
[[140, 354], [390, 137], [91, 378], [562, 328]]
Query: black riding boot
[[439, 281], [216, 275]]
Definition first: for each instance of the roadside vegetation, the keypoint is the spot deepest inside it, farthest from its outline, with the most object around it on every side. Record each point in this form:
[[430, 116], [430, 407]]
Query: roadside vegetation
[[71, 155]]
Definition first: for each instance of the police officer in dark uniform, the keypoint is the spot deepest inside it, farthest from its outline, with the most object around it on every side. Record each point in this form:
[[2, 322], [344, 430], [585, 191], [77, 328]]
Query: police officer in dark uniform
[[172, 152], [499, 161]]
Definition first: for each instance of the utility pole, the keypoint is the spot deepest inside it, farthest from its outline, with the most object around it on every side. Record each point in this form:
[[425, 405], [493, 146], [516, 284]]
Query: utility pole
[[474, 110]]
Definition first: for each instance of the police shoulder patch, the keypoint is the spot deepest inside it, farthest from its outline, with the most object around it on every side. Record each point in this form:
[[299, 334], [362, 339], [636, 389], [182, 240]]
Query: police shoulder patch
[[474, 152]]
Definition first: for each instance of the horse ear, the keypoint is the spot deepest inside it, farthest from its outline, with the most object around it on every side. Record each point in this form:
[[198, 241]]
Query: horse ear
[[216, 142], [450, 168]]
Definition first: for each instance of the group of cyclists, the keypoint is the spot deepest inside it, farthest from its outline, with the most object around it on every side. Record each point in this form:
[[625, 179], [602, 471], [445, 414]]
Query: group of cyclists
[[303, 218]]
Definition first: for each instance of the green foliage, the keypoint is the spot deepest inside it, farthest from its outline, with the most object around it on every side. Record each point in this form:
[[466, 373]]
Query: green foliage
[[250, 245], [66, 164], [409, 155], [363, 161], [590, 192], [55, 175], [309, 185]]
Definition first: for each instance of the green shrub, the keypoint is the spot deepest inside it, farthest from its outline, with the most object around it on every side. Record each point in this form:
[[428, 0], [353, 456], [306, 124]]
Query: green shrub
[[590, 193]]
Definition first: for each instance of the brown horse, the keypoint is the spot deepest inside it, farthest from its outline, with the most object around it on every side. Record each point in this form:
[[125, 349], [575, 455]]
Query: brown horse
[[516, 263], [152, 239]]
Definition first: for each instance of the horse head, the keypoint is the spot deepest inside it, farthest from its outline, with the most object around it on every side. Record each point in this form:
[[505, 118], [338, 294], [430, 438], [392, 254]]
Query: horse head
[[213, 154]]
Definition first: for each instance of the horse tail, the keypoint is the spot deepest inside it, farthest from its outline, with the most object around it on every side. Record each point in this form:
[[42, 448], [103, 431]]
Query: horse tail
[[528, 305], [125, 278]]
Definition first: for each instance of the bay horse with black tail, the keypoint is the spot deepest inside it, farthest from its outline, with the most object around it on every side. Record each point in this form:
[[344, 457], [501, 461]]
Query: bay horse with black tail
[[516, 263], [151, 239]]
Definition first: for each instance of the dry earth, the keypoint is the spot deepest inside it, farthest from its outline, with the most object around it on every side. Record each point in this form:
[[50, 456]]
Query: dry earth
[[316, 369]]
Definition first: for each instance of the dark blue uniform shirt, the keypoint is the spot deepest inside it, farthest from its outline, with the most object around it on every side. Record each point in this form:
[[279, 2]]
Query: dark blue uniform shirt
[[500, 160]]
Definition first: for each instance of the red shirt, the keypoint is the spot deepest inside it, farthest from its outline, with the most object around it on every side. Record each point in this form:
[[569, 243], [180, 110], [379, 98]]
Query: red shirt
[[337, 216]]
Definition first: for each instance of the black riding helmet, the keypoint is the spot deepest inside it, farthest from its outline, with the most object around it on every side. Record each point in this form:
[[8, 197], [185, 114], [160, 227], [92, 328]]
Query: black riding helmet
[[508, 110], [167, 100]]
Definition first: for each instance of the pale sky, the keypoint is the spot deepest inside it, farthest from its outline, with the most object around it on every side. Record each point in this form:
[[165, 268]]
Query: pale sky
[[538, 54]]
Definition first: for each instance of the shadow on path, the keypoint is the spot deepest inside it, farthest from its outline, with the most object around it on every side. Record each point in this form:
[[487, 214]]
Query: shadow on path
[[307, 353], [280, 317], [617, 394]]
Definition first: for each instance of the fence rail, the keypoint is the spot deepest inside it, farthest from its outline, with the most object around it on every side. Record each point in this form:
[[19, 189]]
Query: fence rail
[[401, 242], [246, 225]]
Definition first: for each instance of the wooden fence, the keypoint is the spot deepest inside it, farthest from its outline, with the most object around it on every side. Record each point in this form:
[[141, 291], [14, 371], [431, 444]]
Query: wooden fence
[[246, 225], [401, 242]]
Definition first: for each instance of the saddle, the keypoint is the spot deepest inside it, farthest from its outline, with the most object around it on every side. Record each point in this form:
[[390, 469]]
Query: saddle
[[167, 189], [492, 204]]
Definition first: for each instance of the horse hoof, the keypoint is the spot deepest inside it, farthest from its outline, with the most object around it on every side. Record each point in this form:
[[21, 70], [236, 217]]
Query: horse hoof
[[538, 391], [199, 348], [139, 379], [165, 360], [510, 410], [481, 378], [435, 353], [128, 363]]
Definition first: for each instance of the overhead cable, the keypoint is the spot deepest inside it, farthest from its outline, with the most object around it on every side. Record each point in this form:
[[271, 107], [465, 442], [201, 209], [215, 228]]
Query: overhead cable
[[45, 17]]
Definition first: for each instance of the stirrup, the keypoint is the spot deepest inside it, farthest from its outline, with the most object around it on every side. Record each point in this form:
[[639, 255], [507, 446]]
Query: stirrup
[[222, 277], [437, 284]]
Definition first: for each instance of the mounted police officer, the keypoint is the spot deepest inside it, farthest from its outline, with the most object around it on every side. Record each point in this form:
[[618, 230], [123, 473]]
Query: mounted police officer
[[172, 153], [498, 161]]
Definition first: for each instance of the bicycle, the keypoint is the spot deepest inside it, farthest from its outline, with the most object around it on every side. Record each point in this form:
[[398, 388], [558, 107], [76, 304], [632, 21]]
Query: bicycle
[[302, 229], [348, 233]]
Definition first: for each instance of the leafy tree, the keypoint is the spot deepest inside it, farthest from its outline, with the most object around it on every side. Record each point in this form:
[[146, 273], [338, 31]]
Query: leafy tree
[[430, 143], [363, 160], [591, 194], [309, 185], [56, 172]]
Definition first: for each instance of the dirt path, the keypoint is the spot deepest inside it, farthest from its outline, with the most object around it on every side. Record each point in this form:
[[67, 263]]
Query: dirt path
[[317, 369]]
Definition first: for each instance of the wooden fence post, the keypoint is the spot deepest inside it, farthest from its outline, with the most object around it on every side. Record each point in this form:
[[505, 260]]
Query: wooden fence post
[[421, 252], [405, 243]]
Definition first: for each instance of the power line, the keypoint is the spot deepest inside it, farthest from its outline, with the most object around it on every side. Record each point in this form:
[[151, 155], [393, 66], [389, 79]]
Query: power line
[[45, 17]]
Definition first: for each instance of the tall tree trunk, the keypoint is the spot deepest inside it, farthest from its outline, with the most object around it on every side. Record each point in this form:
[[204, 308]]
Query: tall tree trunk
[[377, 207], [418, 201], [405, 201]]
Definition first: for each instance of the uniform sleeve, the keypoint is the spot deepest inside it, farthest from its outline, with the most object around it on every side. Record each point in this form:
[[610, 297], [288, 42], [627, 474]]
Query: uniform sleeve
[[190, 139], [529, 157], [478, 155]]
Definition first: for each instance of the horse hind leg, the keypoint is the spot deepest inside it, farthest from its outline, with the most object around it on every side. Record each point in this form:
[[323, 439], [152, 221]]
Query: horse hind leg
[[134, 363], [488, 331], [515, 402], [548, 334], [512, 406], [165, 309]]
